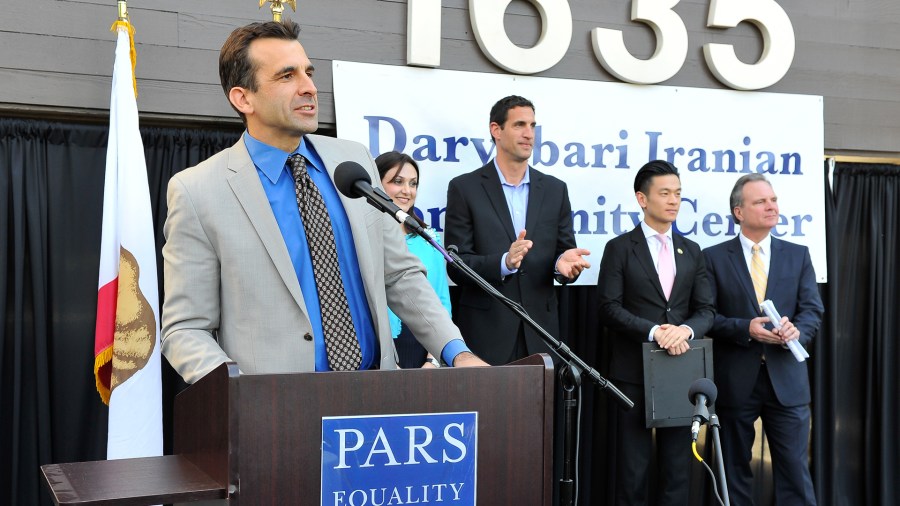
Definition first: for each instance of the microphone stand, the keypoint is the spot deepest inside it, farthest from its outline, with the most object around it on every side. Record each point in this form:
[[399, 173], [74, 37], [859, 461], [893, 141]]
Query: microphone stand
[[717, 447], [570, 378], [558, 347], [570, 372]]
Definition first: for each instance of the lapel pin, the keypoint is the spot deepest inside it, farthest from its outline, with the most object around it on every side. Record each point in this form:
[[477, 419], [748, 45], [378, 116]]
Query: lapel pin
[[679, 251]]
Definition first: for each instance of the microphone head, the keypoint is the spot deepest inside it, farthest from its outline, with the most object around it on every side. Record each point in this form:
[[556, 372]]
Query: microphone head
[[346, 174], [453, 248], [703, 386]]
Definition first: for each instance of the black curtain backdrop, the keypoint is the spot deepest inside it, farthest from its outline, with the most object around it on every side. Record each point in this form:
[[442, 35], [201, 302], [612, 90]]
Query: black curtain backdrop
[[856, 386], [51, 203], [51, 186]]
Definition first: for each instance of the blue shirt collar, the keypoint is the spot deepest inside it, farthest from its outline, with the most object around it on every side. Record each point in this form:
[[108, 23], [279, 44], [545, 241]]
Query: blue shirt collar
[[525, 180], [271, 160]]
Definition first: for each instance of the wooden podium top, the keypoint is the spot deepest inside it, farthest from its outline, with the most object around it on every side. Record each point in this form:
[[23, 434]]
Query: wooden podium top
[[152, 480]]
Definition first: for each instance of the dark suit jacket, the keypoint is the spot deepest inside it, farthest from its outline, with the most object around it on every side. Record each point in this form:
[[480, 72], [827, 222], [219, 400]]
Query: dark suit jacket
[[479, 224], [792, 288], [632, 300]]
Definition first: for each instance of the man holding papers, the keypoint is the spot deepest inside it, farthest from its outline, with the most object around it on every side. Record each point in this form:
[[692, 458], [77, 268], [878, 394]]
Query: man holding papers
[[756, 372]]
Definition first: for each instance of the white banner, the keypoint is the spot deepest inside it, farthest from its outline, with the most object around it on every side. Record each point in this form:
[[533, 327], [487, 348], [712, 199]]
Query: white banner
[[595, 136]]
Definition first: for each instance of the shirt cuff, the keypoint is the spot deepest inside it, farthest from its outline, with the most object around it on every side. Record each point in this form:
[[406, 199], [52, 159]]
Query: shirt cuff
[[503, 270], [452, 349], [555, 271], [652, 331], [689, 328]]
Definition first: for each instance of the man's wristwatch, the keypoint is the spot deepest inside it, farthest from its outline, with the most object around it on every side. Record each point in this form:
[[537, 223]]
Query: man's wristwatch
[[435, 362]]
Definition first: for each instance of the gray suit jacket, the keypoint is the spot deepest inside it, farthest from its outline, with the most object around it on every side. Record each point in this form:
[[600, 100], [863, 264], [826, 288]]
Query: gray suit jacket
[[232, 292]]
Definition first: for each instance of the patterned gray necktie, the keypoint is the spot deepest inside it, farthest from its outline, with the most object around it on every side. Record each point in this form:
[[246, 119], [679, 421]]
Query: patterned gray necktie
[[337, 324]]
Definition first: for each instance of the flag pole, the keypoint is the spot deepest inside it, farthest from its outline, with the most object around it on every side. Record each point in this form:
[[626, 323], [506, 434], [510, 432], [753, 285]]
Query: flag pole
[[123, 23], [278, 7]]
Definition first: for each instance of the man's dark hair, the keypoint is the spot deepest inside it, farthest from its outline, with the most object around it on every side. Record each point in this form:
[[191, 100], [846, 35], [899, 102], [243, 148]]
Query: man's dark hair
[[737, 193], [500, 111], [235, 65], [650, 170]]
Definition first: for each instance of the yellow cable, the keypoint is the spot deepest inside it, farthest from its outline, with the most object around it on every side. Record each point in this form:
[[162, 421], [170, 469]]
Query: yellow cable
[[694, 447]]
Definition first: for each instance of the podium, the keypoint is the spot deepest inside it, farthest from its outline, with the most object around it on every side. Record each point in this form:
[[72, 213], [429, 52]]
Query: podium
[[257, 439]]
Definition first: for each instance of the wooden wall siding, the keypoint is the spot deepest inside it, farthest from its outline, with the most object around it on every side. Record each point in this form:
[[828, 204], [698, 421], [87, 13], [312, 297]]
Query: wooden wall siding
[[59, 53]]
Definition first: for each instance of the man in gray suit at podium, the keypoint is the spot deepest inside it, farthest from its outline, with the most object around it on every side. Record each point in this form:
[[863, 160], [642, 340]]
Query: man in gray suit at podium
[[266, 264]]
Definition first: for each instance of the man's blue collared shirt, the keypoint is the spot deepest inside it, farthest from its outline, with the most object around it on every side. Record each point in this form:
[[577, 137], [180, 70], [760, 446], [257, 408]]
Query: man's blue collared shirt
[[517, 202], [278, 183]]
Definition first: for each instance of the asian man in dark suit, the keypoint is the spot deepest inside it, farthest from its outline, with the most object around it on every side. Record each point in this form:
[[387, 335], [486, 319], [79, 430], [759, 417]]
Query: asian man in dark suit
[[757, 376], [652, 287], [513, 226]]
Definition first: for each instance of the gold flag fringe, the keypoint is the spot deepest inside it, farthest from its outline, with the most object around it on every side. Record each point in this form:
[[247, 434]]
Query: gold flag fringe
[[130, 28], [100, 360]]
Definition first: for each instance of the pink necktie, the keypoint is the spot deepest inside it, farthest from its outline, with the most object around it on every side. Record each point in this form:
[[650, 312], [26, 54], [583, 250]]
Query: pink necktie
[[666, 266]]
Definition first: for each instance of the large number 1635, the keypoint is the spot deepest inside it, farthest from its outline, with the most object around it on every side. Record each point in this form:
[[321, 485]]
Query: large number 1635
[[424, 40]]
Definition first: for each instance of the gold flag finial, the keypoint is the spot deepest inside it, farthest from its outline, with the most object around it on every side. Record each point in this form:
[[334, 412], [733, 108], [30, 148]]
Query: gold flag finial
[[278, 7], [122, 23]]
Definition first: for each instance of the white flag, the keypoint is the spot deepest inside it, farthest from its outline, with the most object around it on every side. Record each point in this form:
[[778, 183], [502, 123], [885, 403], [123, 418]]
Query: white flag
[[127, 358]]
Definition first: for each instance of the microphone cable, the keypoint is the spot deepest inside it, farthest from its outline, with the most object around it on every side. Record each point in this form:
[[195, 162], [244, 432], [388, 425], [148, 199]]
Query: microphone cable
[[712, 475]]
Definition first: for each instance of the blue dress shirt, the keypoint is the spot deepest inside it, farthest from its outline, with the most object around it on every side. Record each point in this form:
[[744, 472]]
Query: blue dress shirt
[[517, 203], [278, 183]]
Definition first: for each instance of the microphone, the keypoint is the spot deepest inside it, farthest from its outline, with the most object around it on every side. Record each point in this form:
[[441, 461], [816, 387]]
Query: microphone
[[702, 393], [352, 180]]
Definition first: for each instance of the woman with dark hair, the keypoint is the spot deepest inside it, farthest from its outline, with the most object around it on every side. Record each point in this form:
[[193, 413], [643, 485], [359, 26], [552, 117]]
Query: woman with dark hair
[[400, 179]]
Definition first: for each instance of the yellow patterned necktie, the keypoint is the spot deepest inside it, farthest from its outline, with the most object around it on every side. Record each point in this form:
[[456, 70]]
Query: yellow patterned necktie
[[758, 274]]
